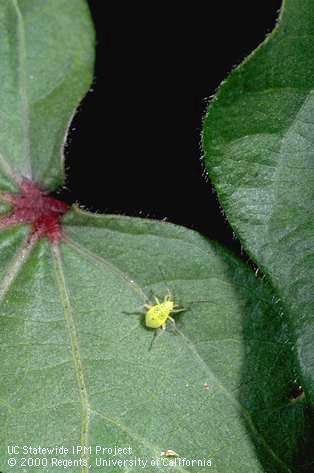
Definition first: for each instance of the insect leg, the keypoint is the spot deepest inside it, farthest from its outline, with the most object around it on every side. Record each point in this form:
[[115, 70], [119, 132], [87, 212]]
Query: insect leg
[[176, 311], [136, 311], [174, 326], [157, 335]]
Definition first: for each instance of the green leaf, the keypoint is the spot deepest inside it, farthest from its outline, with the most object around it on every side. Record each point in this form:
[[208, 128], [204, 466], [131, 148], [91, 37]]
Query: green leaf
[[258, 142], [77, 363], [46, 50]]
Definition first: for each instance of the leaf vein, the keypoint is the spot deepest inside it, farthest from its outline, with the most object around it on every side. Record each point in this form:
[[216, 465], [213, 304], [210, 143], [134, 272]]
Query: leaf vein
[[70, 323]]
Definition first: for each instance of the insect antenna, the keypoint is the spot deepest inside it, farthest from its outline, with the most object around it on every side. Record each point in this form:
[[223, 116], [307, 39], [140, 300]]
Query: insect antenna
[[171, 292], [164, 279], [200, 301]]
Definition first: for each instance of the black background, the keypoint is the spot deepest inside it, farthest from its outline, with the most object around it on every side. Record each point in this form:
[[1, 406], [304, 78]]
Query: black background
[[134, 146]]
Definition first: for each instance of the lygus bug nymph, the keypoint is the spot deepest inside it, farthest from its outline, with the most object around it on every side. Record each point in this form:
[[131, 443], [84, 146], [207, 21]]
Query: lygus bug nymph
[[159, 311], [158, 314]]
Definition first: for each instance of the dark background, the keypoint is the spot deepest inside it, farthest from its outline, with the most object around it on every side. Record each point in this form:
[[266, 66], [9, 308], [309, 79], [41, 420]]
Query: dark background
[[134, 147]]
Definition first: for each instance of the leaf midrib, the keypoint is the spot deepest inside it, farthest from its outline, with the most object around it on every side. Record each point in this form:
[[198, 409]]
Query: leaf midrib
[[22, 80], [79, 371]]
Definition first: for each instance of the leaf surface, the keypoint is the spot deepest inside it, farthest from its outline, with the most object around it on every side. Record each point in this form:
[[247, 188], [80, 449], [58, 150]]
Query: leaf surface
[[259, 150], [78, 363], [46, 50]]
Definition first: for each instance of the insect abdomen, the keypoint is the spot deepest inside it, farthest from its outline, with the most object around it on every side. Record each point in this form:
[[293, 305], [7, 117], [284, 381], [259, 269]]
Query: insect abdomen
[[156, 316]]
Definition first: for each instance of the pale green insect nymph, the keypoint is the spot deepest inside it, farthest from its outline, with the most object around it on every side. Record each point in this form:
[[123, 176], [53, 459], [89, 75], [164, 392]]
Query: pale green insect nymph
[[158, 314]]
